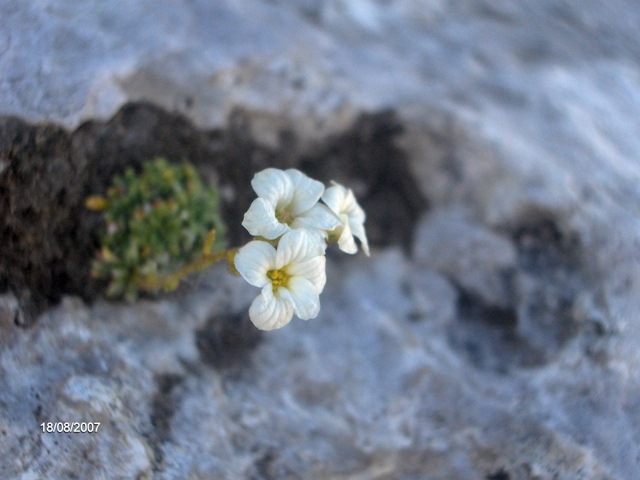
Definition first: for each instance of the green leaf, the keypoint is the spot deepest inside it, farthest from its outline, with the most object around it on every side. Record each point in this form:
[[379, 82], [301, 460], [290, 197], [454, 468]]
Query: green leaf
[[156, 222]]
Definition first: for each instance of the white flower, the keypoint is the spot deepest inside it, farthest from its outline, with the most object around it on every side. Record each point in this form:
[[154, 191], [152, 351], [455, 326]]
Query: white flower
[[343, 203], [291, 277], [286, 200]]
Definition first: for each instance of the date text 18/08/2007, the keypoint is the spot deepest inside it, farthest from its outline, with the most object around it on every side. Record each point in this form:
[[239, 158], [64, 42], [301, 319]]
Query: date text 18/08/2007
[[70, 427]]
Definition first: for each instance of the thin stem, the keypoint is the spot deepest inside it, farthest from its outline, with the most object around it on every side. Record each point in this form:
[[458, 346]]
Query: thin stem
[[170, 282]]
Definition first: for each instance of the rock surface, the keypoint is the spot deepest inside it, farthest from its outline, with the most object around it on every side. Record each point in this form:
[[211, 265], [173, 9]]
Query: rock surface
[[493, 334]]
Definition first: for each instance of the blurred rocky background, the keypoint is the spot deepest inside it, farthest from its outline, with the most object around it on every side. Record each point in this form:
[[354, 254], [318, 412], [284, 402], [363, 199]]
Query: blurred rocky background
[[494, 333]]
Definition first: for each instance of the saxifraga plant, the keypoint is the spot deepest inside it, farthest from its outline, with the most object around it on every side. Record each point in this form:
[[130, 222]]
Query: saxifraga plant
[[163, 224], [159, 225]]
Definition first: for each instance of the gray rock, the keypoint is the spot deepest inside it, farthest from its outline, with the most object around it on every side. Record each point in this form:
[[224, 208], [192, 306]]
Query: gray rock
[[473, 257], [494, 331]]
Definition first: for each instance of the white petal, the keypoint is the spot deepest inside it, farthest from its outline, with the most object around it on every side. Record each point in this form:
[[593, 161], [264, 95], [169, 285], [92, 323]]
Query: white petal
[[319, 216], [342, 201], [352, 209], [306, 191], [297, 246], [260, 220], [254, 260], [357, 229], [319, 237], [346, 243], [306, 300], [334, 197], [273, 185], [313, 270], [269, 311], [355, 213]]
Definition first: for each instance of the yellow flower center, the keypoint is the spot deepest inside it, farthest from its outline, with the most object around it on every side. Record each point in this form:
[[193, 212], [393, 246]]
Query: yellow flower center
[[284, 216], [334, 235], [279, 278]]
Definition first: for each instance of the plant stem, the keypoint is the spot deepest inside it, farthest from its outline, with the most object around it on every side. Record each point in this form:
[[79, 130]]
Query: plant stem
[[170, 282]]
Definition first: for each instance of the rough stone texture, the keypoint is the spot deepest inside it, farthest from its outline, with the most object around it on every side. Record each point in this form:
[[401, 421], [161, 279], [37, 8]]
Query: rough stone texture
[[493, 334]]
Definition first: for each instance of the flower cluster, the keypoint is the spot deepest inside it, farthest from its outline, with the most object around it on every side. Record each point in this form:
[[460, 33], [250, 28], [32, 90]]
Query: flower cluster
[[293, 220]]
